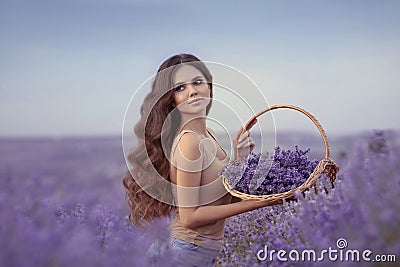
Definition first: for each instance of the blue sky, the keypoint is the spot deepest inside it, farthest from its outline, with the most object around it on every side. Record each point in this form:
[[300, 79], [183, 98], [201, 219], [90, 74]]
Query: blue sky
[[70, 67]]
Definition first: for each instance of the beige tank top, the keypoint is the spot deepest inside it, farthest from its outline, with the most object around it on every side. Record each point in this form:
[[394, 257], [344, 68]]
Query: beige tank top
[[209, 235]]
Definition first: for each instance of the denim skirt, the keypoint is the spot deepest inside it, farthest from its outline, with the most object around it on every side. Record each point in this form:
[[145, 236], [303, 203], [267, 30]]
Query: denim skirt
[[187, 254]]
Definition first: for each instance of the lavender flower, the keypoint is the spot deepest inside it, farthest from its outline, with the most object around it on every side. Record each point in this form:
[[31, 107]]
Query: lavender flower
[[261, 175]]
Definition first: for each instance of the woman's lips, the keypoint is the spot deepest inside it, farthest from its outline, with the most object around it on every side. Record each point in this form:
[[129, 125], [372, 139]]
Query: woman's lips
[[195, 100]]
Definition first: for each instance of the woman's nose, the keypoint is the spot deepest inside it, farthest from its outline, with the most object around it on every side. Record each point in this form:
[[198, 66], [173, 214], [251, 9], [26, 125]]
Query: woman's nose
[[192, 90]]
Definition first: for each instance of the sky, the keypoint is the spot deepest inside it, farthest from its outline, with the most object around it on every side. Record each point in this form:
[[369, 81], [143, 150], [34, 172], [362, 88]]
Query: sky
[[71, 67]]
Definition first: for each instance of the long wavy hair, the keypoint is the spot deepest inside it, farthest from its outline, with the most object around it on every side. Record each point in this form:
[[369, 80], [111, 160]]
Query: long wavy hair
[[155, 132]]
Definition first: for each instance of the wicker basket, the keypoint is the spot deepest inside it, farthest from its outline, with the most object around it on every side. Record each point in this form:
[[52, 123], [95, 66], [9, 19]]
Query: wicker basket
[[325, 165]]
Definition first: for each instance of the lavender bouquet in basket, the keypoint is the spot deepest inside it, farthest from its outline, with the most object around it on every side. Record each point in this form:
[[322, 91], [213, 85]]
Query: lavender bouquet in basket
[[262, 174]]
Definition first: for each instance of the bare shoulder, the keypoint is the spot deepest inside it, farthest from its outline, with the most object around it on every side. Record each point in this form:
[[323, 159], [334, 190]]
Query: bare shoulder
[[189, 146]]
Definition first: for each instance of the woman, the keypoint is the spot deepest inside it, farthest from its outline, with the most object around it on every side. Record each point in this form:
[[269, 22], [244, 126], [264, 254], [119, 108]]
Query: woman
[[175, 143]]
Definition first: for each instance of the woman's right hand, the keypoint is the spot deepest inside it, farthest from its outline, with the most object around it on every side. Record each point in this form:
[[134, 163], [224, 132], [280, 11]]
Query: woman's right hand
[[243, 144]]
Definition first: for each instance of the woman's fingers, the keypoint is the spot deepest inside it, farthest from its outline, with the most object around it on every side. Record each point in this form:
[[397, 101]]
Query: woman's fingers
[[245, 135], [251, 144], [244, 144], [237, 137], [248, 142]]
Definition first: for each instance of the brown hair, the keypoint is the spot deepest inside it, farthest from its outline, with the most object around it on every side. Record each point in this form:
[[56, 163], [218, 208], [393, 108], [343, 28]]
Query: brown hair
[[158, 118]]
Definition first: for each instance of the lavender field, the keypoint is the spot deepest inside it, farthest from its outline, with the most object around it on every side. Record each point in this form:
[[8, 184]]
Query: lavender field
[[62, 204]]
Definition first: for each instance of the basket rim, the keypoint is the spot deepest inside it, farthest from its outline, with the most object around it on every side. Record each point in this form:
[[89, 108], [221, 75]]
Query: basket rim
[[253, 120]]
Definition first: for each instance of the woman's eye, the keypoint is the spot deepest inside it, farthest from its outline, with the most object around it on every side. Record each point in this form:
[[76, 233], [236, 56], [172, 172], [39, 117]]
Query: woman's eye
[[198, 82], [179, 88]]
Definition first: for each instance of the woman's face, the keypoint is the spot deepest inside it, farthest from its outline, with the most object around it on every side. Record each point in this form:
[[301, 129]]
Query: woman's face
[[191, 90]]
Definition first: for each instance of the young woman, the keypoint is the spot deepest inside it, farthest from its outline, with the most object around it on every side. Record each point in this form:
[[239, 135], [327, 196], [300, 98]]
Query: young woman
[[177, 161]]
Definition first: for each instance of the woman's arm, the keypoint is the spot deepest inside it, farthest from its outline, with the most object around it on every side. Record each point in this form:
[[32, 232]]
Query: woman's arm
[[194, 217], [235, 199], [189, 161]]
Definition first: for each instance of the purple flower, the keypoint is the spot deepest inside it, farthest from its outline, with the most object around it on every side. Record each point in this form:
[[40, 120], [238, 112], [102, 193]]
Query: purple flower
[[261, 175]]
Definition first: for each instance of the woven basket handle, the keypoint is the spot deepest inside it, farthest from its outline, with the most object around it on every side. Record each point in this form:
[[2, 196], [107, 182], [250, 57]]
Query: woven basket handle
[[253, 121]]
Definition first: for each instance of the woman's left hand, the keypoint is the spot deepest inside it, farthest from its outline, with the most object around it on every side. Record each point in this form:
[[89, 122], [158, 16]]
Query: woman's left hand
[[243, 144]]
